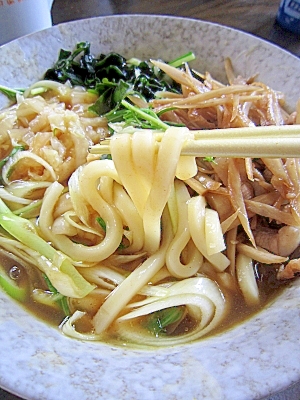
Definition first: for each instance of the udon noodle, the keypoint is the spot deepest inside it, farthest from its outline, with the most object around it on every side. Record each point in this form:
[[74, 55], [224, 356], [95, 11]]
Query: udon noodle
[[146, 245]]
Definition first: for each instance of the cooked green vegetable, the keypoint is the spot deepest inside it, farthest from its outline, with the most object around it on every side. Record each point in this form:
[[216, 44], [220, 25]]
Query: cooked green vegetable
[[114, 78], [190, 56], [144, 118], [159, 321], [209, 159], [102, 223], [61, 300], [30, 210], [11, 94], [56, 266], [106, 72], [11, 287], [13, 152]]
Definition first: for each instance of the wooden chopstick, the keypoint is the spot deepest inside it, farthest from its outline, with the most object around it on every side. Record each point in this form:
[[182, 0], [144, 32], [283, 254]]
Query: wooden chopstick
[[259, 147], [254, 142]]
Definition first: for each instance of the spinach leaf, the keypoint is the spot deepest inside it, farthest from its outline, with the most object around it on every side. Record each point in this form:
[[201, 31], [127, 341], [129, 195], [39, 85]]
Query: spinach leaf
[[111, 71], [114, 79]]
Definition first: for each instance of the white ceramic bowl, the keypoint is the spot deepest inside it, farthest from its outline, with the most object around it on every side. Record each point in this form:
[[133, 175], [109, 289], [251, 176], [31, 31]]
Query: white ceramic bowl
[[250, 361]]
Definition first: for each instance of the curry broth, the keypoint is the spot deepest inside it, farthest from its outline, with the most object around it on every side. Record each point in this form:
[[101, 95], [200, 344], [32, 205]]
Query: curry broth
[[238, 312]]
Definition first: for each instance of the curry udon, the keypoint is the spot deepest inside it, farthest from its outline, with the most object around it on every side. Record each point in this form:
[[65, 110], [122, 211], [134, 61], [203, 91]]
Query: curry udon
[[143, 243]]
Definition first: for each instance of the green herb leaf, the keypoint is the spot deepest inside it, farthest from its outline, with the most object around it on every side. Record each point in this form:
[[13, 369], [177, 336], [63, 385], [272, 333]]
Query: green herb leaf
[[143, 117], [209, 159]]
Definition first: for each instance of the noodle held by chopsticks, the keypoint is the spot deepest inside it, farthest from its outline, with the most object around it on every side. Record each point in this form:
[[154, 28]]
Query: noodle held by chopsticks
[[259, 142]]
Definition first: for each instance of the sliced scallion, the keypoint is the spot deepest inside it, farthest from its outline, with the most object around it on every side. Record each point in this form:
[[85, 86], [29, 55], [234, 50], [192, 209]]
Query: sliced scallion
[[190, 56], [11, 287], [158, 322]]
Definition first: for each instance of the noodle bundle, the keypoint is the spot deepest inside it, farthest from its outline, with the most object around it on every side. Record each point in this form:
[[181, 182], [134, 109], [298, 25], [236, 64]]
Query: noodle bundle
[[145, 244]]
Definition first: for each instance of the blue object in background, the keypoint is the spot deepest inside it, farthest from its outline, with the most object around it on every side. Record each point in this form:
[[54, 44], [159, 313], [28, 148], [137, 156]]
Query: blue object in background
[[288, 15]]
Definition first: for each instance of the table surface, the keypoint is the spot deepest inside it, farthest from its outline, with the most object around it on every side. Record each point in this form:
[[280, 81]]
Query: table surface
[[254, 16]]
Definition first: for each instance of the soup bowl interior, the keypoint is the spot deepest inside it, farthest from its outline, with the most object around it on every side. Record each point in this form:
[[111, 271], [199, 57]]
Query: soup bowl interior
[[249, 361]]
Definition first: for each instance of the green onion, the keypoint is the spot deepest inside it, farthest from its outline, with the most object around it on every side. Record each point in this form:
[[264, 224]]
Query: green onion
[[60, 267], [158, 321], [11, 287], [134, 61], [29, 211], [13, 152], [38, 90], [61, 300], [190, 56], [102, 223], [11, 94]]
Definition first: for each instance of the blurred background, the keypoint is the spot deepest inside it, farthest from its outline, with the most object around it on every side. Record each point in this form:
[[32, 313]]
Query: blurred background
[[253, 16]]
